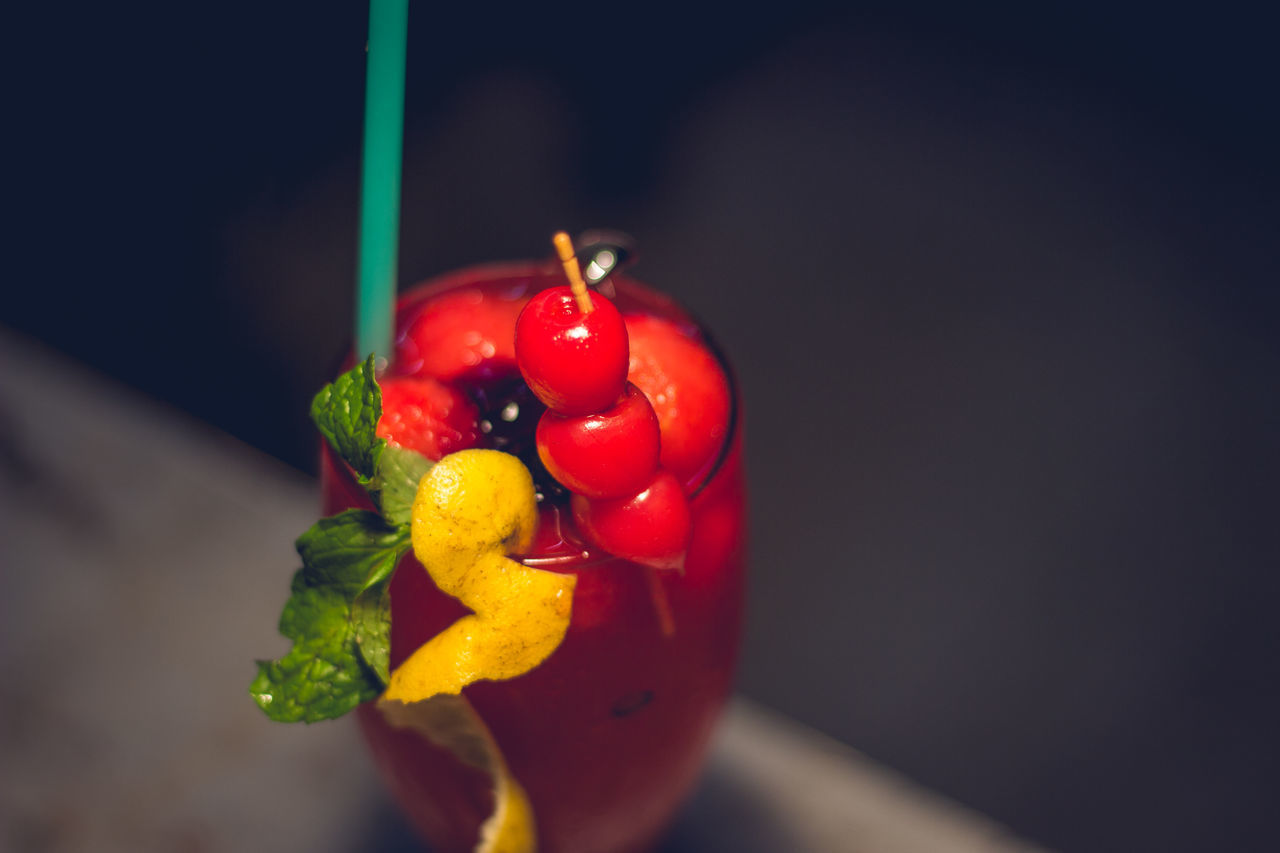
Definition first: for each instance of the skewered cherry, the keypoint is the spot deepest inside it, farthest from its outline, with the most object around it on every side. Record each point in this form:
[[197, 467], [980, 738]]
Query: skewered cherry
[[651, 527], [610, 454], [575, 361]]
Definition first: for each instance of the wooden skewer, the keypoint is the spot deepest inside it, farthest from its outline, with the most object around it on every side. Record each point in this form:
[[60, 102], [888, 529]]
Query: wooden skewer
[[564, 248]]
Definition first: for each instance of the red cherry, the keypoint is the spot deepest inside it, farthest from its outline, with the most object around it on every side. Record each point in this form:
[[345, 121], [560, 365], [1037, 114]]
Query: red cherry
[[610, 454], [427, 416], [651, 528], [688, 390], [576, 363], [468, 333]]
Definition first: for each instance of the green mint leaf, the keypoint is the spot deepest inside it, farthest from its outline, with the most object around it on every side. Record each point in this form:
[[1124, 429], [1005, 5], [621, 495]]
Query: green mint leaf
[[371, 620], [323, 676], [346, 412], [399, 471], [337, 618], [351, 551]]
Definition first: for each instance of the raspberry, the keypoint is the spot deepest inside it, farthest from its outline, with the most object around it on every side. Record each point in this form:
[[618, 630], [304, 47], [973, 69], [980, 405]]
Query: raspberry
[[425, 415]]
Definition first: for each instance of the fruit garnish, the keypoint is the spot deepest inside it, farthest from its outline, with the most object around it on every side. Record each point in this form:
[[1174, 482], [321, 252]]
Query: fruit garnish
[[479, 506], [463, 334], [609, 454], [652, 527], [427, 416], [576, 362], [601, 439], [688, 390], [472, 509]]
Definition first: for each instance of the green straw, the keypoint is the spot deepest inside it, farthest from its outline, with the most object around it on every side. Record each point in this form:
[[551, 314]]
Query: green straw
[[380, 177]]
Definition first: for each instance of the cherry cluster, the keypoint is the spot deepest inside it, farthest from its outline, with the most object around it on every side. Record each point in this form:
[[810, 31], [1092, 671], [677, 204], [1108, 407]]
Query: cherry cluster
[[600, 436]]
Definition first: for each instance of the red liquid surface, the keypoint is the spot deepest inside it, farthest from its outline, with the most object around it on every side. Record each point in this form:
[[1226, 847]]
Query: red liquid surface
[[608, 735]]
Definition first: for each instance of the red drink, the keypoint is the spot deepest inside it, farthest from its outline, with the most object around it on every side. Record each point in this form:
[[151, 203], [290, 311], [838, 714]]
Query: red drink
[[608, 734]]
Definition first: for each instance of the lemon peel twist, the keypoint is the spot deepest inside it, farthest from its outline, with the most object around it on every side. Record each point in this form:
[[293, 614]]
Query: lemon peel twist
[[471, 510]]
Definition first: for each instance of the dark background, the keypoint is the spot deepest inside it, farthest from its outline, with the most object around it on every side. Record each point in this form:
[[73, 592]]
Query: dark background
[[1000, 285]]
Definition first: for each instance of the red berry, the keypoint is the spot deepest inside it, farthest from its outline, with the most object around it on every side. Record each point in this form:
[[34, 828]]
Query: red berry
[[610, 454], [466, 333], [576, 363], [688, 390], [651, 528], [427, 416]]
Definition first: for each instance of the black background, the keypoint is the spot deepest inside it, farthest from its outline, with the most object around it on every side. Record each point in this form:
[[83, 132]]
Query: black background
[[1000, 285]]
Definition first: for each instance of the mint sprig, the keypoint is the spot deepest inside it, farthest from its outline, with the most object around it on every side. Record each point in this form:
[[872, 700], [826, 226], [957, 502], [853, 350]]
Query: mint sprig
[[338, 659], [338, 613]]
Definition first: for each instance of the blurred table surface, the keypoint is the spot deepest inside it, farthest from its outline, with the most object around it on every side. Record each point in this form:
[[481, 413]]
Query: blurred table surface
[[145, 559]]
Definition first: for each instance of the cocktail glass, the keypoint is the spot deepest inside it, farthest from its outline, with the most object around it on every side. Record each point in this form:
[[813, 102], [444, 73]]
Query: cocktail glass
[[607, 736]]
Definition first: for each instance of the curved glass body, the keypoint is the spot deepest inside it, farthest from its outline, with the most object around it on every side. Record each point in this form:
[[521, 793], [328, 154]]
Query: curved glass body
[[608, 735]]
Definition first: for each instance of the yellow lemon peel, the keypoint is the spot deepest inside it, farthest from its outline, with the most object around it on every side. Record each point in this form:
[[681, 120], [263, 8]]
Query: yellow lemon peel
[[472, 509]]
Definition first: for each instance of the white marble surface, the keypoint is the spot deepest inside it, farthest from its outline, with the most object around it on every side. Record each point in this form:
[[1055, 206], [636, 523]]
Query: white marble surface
[[145, 558]]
